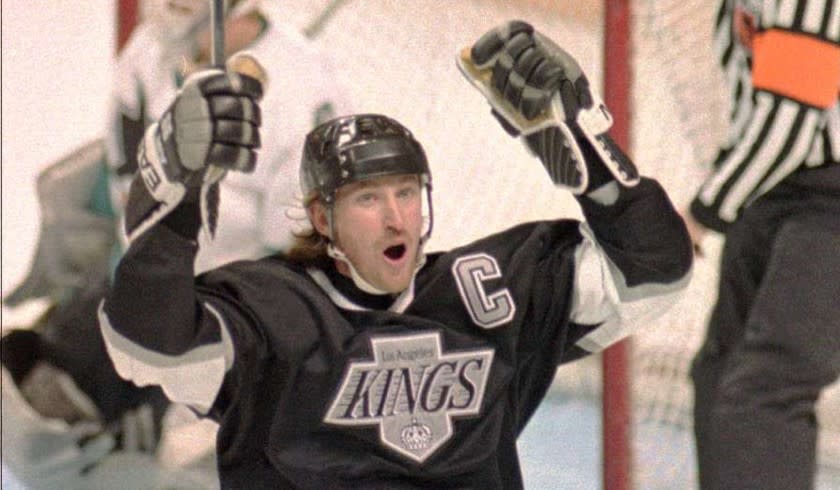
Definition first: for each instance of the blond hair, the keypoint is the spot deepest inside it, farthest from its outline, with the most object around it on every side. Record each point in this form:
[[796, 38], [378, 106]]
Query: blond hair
[[308, 246]]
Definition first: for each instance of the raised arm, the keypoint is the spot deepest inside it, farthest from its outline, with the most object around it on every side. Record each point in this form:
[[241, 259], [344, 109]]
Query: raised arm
[[635, 254], [158, 328]]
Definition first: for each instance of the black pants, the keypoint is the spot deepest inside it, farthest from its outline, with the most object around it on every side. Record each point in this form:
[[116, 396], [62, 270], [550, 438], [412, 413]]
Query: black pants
[[773, 342]]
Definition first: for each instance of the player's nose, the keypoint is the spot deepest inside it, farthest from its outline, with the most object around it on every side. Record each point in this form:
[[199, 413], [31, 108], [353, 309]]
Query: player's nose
[[393, 213]]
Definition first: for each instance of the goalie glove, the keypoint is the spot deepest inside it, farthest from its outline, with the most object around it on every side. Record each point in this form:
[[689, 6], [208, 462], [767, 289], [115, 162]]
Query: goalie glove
[[211, 127], [539, 92]]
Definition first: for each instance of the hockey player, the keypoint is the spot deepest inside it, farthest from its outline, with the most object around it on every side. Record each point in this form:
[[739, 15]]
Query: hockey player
[[358, 360], [82, 197], [773, 341]]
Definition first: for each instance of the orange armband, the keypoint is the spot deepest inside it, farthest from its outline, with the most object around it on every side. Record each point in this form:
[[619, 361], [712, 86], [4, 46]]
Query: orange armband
[[798, 66]]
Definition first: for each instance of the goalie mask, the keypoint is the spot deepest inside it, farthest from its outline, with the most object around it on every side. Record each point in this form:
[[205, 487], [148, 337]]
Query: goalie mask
[[356, 148]]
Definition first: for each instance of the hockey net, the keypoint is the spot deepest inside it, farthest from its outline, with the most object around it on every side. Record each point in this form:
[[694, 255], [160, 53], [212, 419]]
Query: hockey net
[[398, 59]]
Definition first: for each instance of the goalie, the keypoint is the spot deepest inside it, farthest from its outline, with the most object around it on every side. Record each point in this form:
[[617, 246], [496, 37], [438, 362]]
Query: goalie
[[359, 360]]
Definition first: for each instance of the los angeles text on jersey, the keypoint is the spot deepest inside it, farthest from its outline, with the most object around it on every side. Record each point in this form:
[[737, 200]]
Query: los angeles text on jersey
[[411, 391]]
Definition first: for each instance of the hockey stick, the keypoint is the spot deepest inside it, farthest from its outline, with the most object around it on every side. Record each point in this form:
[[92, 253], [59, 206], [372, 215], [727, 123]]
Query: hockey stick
[[217, 32], [240, 63], [217, 60]]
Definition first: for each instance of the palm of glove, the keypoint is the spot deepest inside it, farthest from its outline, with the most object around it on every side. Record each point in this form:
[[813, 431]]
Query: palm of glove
[[528, 69], [538, 91]]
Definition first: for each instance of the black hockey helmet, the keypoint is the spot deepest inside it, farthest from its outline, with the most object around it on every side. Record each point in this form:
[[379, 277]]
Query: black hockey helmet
[[358, 147]]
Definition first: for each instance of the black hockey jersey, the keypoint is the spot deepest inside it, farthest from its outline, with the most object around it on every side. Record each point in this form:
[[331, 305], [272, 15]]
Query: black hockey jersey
[[314, 389]]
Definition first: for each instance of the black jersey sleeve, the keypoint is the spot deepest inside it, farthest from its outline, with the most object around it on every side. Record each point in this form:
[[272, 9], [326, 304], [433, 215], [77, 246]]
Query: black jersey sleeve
[[160, 328], [641, 233], [570, 288], [633, 262]]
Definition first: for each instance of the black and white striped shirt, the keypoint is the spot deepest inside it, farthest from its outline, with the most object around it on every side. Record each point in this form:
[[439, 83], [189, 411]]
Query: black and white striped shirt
[[784, 75]]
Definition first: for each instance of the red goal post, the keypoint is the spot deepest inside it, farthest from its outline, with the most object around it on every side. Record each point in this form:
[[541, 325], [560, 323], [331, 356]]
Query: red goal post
[[128, 14], [616, 400]]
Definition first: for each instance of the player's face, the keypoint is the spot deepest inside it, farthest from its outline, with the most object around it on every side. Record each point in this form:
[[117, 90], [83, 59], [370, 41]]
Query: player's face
[[378, 224]]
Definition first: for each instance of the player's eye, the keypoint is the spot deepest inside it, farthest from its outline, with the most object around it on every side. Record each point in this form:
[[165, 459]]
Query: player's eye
[[366, 198], [407, 192]]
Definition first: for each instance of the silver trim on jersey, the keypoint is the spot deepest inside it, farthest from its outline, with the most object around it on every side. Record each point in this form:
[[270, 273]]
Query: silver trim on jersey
[[193, 378], [398, 306], [602, 297]]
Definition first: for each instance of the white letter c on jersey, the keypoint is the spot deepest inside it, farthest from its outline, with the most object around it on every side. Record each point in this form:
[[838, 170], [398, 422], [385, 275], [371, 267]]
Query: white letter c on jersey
[[486, 310]]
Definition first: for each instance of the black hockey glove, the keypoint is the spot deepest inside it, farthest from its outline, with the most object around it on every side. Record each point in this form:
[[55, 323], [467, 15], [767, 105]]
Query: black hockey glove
[[538, 91], [210, 128]]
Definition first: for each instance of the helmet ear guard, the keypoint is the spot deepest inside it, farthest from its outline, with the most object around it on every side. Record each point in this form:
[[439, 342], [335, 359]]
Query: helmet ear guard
[[360, 147]]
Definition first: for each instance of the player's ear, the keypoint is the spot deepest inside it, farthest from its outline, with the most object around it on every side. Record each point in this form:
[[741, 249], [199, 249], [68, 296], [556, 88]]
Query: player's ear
[[319, 218]]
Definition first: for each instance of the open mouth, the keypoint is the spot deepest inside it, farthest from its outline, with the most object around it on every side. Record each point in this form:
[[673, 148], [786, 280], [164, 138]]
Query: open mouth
[[395, 252]]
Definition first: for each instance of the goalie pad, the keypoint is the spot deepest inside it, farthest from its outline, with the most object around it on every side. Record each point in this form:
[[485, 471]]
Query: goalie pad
[[539, 92]]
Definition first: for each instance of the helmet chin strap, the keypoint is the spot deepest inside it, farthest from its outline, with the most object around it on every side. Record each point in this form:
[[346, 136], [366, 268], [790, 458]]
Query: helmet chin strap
[[360, 281]]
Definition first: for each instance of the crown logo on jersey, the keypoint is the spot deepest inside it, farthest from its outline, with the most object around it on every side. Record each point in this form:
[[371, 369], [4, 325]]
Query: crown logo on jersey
[[411, 391], [416, 436]]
